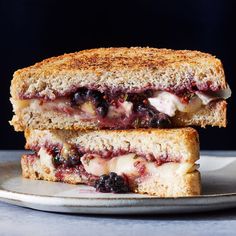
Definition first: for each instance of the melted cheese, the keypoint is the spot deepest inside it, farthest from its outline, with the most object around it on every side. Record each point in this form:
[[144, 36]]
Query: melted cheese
[[169, 103], [125, 164], [208, 97], [163, 101], [46, 159], [123, 108]]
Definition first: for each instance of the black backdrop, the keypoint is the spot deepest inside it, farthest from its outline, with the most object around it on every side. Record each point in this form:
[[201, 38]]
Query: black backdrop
[[32, 30]]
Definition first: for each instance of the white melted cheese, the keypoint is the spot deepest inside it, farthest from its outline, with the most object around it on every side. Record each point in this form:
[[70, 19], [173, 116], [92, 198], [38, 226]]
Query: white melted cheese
[[163, 101], [123, 108], [208, 97], [125, 164], [46, 159], [169, 103], [37, 105], [62, 104]]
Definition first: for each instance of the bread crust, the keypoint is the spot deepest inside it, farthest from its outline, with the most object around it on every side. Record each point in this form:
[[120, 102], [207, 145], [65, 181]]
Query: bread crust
[[186, 185], [126, 69]]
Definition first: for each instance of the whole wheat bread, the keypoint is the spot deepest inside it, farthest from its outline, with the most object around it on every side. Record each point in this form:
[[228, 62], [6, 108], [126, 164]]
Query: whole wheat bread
[[126, 69]]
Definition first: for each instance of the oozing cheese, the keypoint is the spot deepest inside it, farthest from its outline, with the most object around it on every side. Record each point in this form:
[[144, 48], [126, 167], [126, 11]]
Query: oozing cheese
[[169, 103], [46, 159], [208, 97], [123, 108]]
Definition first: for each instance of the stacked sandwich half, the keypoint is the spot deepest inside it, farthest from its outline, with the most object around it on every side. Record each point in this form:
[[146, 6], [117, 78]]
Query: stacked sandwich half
[[115, 118]]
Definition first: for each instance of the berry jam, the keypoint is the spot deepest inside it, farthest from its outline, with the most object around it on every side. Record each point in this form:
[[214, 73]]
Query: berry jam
[[143, 115], [58, 160]]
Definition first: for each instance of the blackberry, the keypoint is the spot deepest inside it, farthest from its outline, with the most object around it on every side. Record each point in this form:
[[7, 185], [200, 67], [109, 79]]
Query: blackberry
[[158, 122], [111, 183]]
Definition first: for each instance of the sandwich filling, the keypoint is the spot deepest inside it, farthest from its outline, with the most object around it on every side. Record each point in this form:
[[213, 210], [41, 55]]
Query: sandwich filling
[[91, 167], [126, 110]]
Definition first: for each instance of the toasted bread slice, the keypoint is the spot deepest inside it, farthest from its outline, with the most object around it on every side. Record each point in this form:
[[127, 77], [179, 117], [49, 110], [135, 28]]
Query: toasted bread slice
[[181, 144], [157, 161], [126, 69]]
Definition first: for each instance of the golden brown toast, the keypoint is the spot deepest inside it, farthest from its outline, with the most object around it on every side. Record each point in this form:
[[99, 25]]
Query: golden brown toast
[[119, 68], [180, 143]]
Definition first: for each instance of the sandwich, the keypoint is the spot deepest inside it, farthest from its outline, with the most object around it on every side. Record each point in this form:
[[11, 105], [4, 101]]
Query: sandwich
[[159, 162], [120, 88]]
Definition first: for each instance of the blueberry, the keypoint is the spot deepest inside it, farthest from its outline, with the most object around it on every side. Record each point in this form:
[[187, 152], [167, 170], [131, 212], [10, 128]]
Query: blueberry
[[79, 153], [94, 95], [157, 122], [151, 112], [55, 151], [145, 109], [164, 123], [148, 93], [57, 160], [72, 161], [79, 97], [140, 108], [132, 97], [102, 108], [154, 123]]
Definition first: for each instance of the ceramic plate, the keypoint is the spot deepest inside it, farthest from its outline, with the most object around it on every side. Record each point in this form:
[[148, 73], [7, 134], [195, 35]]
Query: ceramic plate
[[218, 180]]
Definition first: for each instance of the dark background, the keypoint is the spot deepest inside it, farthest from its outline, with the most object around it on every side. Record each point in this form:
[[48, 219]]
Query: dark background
[[32, 30]]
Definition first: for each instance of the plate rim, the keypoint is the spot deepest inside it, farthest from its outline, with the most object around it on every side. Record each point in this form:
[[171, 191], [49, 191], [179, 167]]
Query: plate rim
[[31, 200]]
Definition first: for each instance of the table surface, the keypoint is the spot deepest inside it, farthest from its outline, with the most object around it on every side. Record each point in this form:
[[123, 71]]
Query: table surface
[[22, 221]]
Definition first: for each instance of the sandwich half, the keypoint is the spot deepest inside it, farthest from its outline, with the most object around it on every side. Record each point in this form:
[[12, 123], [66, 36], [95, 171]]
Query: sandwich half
[[121, 88], [158, 162]]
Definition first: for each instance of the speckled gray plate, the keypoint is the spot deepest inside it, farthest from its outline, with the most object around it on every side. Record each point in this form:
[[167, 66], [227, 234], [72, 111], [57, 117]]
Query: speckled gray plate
[[218, 179]]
